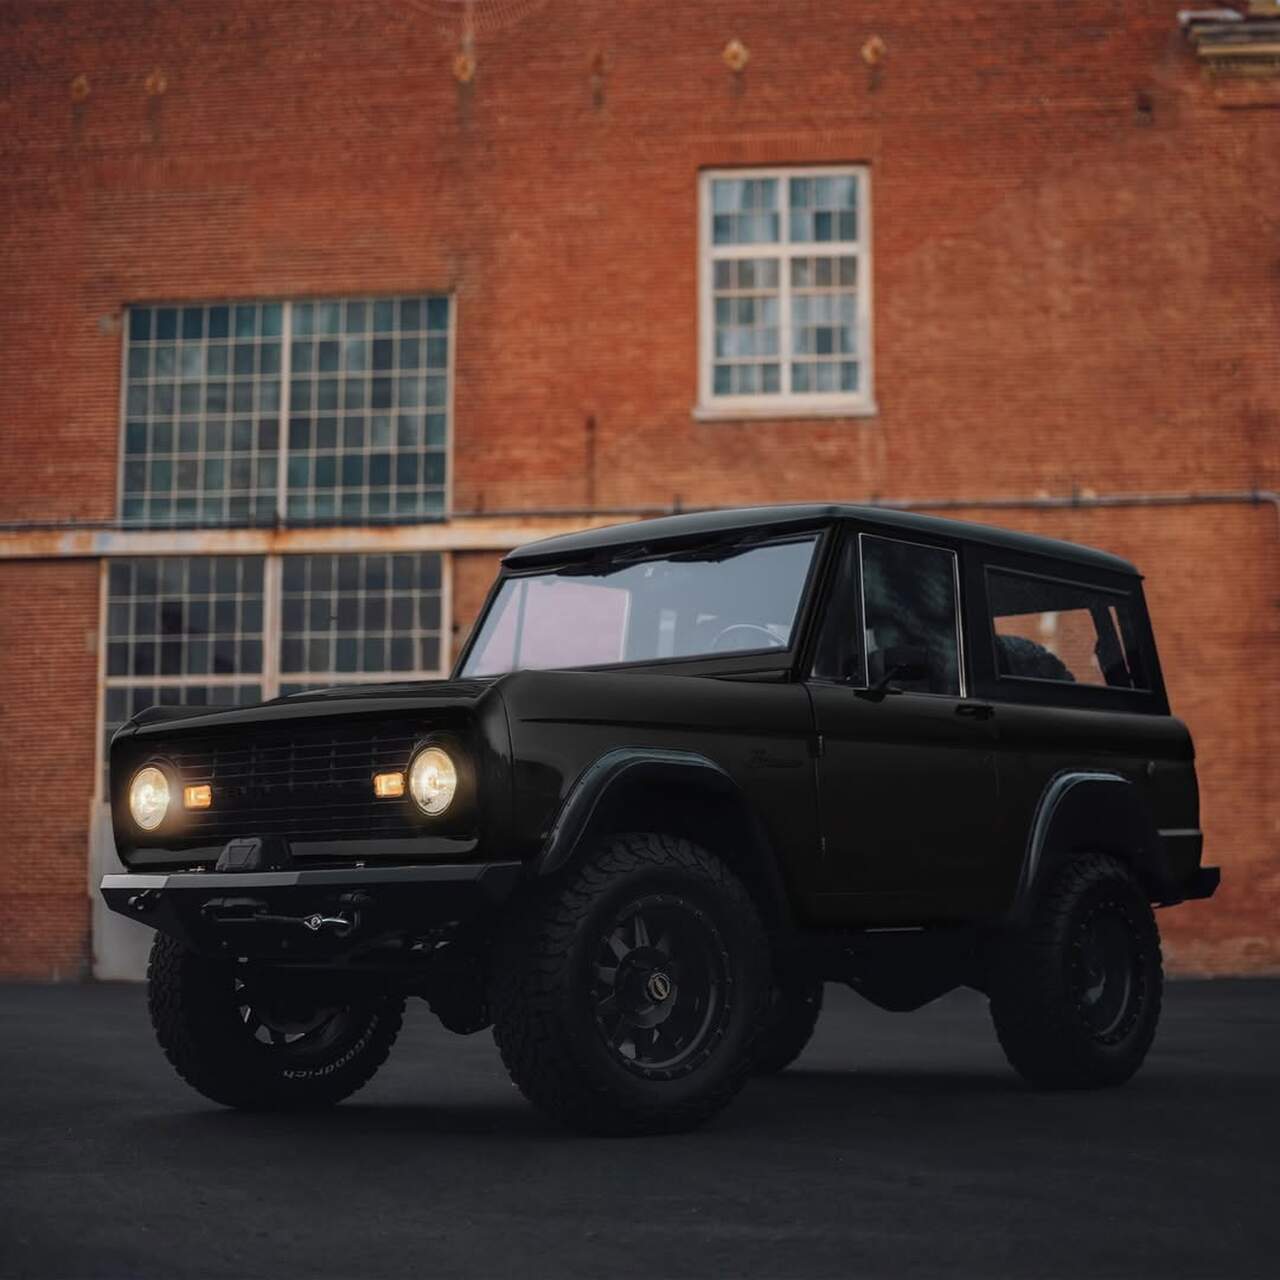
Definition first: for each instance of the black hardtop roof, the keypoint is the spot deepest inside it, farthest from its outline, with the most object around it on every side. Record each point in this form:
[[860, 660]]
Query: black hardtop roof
[[697, 524]]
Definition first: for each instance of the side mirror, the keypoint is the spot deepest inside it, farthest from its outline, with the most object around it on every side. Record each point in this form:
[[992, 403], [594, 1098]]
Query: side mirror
[[901, 662]]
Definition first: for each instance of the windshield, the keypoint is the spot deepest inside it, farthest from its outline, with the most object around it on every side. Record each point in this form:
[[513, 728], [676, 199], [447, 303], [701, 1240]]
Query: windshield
[[713, 600]]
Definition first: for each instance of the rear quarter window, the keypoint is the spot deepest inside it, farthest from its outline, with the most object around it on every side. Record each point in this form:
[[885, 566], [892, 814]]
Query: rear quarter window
[[1063, 633]]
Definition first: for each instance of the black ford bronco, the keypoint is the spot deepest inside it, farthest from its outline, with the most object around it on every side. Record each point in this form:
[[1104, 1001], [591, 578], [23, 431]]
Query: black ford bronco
[[686, 771]]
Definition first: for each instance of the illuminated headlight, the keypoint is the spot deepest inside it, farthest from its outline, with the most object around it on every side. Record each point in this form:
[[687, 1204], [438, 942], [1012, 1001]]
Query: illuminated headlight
[[149, 797], [433, 780]]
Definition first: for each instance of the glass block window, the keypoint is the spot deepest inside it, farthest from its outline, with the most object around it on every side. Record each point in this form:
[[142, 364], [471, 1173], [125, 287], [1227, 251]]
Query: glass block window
[[330, 411], [376, 615], [785, 292]]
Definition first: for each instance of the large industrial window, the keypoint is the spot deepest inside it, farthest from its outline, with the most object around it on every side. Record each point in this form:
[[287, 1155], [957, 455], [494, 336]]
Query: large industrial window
[[344, 617], [785, 292], [231, 630], [322, 412]]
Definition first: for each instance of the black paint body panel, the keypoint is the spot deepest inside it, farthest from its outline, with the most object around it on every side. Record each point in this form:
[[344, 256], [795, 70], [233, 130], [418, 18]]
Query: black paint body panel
[[843, 806]]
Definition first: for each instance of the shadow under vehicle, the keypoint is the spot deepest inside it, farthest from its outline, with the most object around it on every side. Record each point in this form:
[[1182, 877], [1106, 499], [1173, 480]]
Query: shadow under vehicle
[[686, 771]]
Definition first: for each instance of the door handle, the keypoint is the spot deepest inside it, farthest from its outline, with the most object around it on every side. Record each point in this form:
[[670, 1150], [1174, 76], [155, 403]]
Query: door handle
[[976, 710]]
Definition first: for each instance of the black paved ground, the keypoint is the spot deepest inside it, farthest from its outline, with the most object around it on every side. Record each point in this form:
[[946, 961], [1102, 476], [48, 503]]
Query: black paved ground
[[900, 1145]]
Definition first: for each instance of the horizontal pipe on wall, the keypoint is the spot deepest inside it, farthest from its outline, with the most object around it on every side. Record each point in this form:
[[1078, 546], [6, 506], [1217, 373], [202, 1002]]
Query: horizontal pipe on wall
[[497, 530]]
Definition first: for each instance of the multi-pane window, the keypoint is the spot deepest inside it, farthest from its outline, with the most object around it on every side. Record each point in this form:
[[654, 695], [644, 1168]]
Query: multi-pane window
[[231, 630], [182, 631], [343, 616], [368, 405], [202, 415], [327, 411], [785, 285]]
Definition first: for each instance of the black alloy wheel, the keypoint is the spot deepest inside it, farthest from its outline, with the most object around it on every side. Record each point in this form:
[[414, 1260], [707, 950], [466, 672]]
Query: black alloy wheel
[[254, 1037], [627, 993], [292, 1019], [1108, 980], [662, 988], [1075, 992]]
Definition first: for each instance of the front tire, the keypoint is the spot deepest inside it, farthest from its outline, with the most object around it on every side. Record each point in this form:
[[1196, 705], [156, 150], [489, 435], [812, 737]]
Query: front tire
[[794, 1006], [253, 1039], [627, 1000], [1075, 996]]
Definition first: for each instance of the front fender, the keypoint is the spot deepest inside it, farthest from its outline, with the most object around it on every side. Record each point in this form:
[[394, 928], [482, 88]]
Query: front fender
[[702, 801]]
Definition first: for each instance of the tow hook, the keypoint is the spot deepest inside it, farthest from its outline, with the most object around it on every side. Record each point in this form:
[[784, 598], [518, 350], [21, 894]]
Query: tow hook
[[253, 911], [317, 922]]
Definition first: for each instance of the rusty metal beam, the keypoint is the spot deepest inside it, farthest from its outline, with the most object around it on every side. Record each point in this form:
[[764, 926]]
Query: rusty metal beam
[[500, 531], [496, 533]]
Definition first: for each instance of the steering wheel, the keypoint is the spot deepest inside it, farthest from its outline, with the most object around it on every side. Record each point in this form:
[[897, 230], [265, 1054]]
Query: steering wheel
[[772, 641]]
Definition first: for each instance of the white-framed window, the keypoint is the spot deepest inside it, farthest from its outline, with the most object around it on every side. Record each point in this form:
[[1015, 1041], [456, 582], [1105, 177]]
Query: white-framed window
[[223, 631], [785, 292], [321, 411]]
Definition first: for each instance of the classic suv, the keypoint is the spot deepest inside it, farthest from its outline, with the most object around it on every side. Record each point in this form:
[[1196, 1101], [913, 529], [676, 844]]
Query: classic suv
[[686, 771]]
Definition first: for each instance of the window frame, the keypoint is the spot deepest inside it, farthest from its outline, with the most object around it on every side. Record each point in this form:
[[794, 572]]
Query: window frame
[[734, 661], [280, 514], [1127, 628], [1033, 693], [786, 404], [961, 677], [840, 590]]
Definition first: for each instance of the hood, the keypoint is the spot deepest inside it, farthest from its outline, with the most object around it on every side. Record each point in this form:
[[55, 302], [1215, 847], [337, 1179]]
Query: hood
[[364, 699]]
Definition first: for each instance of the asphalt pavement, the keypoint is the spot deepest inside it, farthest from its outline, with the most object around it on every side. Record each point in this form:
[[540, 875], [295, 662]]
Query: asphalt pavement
[[899, 1145]]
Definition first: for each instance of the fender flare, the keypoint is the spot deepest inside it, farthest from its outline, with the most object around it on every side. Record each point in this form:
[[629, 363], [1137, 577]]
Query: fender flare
[[1090, 810], [588, 808]]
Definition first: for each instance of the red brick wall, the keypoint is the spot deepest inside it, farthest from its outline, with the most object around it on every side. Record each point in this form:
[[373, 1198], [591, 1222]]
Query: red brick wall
[[48, 677], [1074, 265]]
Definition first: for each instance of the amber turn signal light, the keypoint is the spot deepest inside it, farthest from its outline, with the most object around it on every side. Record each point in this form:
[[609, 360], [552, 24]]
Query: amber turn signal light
[[386, 786], [200, 797]]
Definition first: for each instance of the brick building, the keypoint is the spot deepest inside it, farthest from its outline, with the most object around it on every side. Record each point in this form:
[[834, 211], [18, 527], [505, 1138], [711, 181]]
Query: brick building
[[311, 308]]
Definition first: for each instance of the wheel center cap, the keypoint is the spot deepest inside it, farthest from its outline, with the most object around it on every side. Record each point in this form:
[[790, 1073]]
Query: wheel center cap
[[658, 987]]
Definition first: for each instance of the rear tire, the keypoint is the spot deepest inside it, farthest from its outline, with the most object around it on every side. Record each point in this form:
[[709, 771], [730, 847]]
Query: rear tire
[[795, 1003], [628, 994], [1075, 995], [250, 1039]]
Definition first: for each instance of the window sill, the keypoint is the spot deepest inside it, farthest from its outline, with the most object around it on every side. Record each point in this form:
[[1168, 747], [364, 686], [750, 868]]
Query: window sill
[[773, 413]]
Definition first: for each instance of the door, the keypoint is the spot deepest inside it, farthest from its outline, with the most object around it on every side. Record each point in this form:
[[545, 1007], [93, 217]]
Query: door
[[906, 764]]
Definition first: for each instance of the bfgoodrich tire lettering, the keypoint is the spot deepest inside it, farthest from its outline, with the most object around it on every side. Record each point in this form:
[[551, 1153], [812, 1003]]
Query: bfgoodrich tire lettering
[[1075, 996], [595, 1050], [208, 1023]]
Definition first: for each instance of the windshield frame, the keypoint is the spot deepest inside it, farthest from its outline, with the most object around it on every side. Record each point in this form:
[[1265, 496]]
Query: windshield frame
[[733, 662]]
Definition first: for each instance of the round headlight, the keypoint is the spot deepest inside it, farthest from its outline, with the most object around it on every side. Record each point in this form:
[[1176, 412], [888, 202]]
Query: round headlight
[[149, 797], [433, 780]]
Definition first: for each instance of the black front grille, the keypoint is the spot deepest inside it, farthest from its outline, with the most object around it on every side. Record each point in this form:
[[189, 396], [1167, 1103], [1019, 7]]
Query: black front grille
[[306, 784]]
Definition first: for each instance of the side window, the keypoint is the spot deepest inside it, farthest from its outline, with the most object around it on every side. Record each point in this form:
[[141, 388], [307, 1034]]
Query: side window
[[909, 604], [1044, 629]]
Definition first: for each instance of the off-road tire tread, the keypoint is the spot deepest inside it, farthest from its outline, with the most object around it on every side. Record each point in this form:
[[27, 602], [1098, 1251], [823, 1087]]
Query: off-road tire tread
[[791, 1026], [1029, 1006], [201, 1057], [536, 1053]]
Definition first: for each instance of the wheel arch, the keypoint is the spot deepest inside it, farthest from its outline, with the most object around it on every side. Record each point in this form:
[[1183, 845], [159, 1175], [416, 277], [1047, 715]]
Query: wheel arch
[[1091, 811], [678, 792]]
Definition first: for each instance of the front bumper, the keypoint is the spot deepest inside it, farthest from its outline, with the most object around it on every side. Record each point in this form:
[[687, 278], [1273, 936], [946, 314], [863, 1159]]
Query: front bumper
[[309, 913]]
